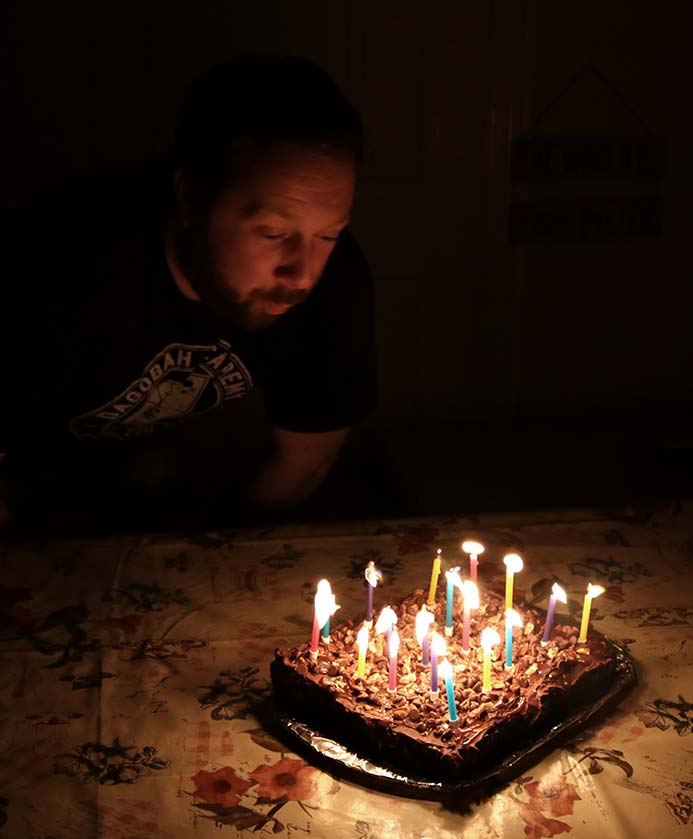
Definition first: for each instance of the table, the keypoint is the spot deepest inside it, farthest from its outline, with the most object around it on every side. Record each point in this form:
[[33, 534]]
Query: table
[[130, 664]]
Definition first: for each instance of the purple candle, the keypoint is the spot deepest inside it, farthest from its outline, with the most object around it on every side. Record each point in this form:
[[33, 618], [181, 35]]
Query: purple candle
[[557, 593], [426, 651], [438, 649], [424, 619]]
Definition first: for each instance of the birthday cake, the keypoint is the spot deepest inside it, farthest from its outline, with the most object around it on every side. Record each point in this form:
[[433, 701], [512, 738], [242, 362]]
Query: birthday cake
[[410, 730]]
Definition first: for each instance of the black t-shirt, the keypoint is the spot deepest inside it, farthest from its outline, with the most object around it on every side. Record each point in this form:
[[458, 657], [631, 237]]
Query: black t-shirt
[[98, 343]]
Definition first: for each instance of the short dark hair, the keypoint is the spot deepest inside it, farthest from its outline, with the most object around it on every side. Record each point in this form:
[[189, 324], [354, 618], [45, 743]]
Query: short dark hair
[[262, 99]]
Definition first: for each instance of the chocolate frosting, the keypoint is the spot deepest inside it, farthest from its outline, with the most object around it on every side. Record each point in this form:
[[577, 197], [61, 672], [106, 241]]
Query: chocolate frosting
[[409, 729]]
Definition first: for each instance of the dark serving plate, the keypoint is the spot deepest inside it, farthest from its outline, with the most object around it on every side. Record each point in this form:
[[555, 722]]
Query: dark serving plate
[[334, 758]]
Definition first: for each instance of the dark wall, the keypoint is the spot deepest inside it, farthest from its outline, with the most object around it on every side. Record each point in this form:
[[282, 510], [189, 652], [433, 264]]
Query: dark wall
[[470, 325]]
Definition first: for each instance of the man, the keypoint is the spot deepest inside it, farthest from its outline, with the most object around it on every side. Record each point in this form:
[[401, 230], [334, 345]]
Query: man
[[134, 301]]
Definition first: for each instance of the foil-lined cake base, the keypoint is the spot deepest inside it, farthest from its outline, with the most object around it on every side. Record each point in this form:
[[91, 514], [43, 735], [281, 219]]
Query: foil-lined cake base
[[334, 758]]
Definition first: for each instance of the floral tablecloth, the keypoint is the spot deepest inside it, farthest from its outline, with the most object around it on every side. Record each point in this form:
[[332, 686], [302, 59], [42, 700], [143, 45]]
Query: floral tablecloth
[[130, 667]]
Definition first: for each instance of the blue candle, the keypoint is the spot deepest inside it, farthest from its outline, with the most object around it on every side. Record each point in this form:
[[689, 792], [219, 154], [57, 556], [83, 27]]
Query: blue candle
[[326, 631], [446, 673], [453, 578], [512, 619]]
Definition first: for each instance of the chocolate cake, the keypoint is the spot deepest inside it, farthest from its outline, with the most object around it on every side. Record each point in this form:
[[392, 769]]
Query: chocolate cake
[[408, 731]]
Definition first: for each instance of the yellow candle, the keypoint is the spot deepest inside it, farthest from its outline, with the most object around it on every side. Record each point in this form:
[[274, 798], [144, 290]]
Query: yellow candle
[[362, 643], [435, 573], [489, 639], [513, 564], [592, 592]]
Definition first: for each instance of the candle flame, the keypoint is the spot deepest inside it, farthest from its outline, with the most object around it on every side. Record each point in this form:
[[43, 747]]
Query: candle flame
[[473, 548], [362, 639], [559, 593], [489, 638], [470, 592], [325, 603], [445, 670], [513, 562], [424, 619], [394, 643], [594, 591], [372, 574], [453, 576], [386, 619], [438, 645], [513, 617], [439, 551]]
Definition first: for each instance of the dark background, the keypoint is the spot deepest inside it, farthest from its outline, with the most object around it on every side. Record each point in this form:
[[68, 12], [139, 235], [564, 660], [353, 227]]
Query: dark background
[[533, 373]]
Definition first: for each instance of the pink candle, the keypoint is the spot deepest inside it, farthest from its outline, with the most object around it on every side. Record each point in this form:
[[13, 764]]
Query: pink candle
[[394, 649], [473, 549], [315, 638]]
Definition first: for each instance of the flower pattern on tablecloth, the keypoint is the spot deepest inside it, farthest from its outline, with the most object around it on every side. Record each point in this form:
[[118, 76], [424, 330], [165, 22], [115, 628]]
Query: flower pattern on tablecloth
[[222, 787], [175, 656], [680, 806], [233, 693], [114, 764], [547, 799], [609, 569], [146, 597], [667, 713], [289, 781]]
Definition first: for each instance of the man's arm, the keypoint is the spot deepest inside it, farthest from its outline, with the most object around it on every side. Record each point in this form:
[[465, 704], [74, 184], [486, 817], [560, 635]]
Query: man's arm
[[298, 465]]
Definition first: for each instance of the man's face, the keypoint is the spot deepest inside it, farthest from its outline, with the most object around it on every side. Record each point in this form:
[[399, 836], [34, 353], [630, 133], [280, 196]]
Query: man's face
[[264, 244]]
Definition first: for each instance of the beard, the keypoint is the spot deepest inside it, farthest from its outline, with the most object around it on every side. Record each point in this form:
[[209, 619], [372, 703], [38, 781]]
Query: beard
[[224, 302]]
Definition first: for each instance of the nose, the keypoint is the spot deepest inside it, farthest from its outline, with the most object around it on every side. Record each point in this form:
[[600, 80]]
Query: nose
[[295, 267]]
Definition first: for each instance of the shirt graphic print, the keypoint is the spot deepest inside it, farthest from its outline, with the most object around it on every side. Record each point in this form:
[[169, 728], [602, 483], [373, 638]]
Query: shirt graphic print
[[179, 382]]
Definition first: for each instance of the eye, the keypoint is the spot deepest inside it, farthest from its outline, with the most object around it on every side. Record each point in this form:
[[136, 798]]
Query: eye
[[329, 238], [271, 233]]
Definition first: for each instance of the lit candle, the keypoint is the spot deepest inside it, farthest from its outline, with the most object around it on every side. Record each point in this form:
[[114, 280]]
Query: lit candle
[[386, 620], [325, 605], [424, 619], [512, 619], [474, 549], [513, 564], [435, 573], [557, 593], [489, 639], [362, 644], [438, 650], [445, 671], [592, 592], [372, 576], [453, 579], [393, 650], [470, 593]]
